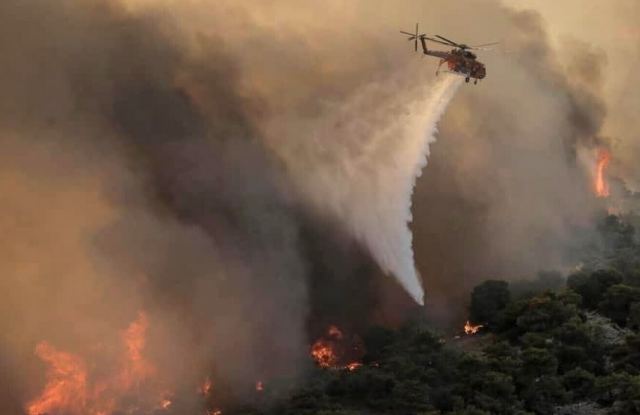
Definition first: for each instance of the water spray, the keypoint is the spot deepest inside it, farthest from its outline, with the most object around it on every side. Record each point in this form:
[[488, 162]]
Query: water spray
[[361, 163]]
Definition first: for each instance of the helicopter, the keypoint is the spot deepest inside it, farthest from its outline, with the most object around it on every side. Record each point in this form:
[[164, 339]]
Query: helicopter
[[459, 60]]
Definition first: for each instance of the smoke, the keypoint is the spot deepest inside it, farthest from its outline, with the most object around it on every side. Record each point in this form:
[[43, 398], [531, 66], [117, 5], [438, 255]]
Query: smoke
[[580, 82], [127, 193], [615, 48]]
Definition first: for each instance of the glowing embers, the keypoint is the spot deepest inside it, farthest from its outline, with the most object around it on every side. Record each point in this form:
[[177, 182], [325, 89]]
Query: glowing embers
[[471, 329], [323, 353], [353, 366], [601, 185], [336, 351], [70, 390], [205, 388], [165, 403]]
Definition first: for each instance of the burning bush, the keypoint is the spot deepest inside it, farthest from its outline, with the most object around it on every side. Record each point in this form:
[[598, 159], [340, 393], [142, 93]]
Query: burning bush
[[336, 351]]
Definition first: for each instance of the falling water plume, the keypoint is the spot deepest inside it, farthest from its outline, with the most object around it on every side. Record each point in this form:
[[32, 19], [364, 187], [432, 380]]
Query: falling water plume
[[362, 163]]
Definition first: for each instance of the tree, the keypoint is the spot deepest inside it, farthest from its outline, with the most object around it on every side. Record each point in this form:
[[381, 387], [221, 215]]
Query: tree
[[633, 321], [544, 281], [377, 339], [628, 401], [622, 391], [617, 302], [579, 382], [577, 347], [626, 357], [543, 394], [544, 313], [491, 391], [487, 301], [504, 358], [537, 362], [616, 235], [592, 286]]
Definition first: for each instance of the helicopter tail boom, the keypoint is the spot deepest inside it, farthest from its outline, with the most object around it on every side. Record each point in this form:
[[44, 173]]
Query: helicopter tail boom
[[425, 50]]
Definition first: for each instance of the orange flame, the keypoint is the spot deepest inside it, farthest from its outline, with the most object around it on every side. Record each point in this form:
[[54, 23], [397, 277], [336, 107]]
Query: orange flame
[[69, 391], [334, 332], [67, 382], [335, 349], [353, 366], [206, 387], [259, 386], [323, 354], [601, 185], [470, 328], [137, 368], [165, 403]]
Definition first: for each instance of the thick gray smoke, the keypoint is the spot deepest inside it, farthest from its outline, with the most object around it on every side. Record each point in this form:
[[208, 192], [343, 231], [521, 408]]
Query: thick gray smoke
[[126, 193]]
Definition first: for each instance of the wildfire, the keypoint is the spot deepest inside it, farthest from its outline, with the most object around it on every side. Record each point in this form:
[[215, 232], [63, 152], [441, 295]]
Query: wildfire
[[323, 354], [335, 333], [206, 387], [601, 185], [137, 367], [337, 351], [470, 328], [68, 389], [66, 385], [353, 366]]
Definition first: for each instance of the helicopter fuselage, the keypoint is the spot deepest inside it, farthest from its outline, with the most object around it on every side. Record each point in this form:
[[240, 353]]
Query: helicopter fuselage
[[460, 61]]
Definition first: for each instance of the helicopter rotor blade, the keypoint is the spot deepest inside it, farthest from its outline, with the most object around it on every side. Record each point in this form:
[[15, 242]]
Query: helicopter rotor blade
[[415, 44], [406, 33], [437, 41], [447, 40], [485, 45]]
